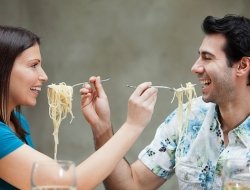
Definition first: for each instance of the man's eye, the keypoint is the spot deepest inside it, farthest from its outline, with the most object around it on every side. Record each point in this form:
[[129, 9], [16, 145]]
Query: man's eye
[[34, 65], [207, 58]]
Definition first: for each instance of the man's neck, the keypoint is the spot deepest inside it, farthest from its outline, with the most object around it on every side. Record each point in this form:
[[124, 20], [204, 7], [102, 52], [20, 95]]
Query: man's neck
[[232, 115]]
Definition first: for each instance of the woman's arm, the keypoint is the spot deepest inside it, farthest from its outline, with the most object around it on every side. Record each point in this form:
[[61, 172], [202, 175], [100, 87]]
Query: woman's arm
[[15, 168]]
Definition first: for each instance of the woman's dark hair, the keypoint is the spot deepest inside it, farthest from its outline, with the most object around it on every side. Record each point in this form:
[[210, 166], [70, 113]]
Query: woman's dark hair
[[236, 30], [13, 41]]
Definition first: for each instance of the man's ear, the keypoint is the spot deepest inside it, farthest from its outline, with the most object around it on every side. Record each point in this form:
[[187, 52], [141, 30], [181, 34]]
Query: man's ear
[[243, 66]]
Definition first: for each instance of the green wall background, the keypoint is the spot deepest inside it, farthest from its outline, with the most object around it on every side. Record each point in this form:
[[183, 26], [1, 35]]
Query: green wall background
[[131, 41]]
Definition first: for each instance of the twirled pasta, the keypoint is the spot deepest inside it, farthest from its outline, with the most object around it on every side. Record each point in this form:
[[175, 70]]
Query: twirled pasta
[[60, 104], [182, 123], [189, 92]]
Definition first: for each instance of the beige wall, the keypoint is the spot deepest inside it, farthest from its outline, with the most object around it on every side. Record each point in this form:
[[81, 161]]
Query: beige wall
[[130, 41]]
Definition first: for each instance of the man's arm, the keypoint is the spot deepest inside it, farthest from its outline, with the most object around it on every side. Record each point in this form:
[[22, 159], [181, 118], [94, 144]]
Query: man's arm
[[125, 176], [135, 176], [96, 110]]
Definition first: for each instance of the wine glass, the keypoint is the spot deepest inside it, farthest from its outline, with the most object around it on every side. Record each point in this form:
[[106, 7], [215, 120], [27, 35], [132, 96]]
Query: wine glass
[[53, 175], [236, 174]]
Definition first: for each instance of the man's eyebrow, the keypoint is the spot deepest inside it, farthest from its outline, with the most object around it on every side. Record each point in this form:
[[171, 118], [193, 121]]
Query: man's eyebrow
[[204, 53]]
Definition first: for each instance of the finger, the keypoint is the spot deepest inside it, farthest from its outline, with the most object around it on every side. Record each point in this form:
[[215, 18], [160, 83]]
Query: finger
[[86, 98], [86, 88], [92, 79], [87, 85], [84, 91], [99, 88], [148, 93], [86, 102], [152, 100], [141, 88]]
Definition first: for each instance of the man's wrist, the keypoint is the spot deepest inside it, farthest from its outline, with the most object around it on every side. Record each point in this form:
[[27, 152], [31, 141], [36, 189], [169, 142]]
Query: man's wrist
[[101, 135]]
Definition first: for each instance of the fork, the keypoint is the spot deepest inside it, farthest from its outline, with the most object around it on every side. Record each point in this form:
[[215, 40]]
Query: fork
[[107, 79], [162, 87], [84, 83]]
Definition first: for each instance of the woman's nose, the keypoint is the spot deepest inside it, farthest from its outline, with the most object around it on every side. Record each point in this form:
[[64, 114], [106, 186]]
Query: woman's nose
[[43, 76]]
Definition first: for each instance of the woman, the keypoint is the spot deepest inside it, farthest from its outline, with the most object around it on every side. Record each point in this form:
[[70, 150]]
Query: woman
[[21, 80]]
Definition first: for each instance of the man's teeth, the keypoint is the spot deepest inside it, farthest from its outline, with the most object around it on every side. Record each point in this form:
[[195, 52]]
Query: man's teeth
[[205, 82]]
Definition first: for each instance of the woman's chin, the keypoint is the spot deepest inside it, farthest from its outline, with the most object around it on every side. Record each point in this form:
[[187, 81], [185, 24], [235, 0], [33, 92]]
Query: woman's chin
[[32, 104]]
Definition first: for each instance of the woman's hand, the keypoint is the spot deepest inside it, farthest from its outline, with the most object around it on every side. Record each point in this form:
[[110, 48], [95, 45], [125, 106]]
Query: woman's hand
[[141, 105]]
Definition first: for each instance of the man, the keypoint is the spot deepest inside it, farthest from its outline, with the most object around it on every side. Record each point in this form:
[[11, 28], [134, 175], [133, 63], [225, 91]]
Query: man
[[218, 124]]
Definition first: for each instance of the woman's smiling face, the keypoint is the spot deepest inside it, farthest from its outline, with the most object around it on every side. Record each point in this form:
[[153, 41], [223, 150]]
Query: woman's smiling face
[[27, 78]]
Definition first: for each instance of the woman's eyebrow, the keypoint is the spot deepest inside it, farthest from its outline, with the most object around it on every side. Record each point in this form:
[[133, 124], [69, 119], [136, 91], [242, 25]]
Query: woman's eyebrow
[[31, 60]]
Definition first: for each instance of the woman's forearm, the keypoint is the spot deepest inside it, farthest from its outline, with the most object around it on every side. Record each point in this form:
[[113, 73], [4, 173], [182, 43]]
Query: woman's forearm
[[93, 171]]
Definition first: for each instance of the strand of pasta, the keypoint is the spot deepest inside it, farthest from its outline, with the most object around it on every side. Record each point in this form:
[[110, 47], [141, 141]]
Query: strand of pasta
[[182, 125], [60, 104]]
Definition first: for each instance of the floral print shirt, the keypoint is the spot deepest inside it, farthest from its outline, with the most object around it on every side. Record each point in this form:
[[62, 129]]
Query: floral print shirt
[[196, 154]]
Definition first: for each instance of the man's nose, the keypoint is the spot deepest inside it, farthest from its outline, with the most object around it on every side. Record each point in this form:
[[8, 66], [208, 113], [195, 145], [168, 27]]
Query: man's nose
[[197, 67]]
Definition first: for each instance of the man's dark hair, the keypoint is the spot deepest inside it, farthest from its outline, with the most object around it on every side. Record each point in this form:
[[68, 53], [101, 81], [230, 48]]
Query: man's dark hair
[[236, 30]]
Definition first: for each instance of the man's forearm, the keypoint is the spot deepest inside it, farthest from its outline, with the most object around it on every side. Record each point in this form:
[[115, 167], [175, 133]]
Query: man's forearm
[[121, 175], [121, 178], [102, 135]]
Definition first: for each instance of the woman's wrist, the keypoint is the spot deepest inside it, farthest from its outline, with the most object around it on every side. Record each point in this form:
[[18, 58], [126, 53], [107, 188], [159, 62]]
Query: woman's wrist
[[135, 128]]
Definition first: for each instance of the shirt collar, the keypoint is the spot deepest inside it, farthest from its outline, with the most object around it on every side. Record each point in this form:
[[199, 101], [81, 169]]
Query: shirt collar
[[242, 131]]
